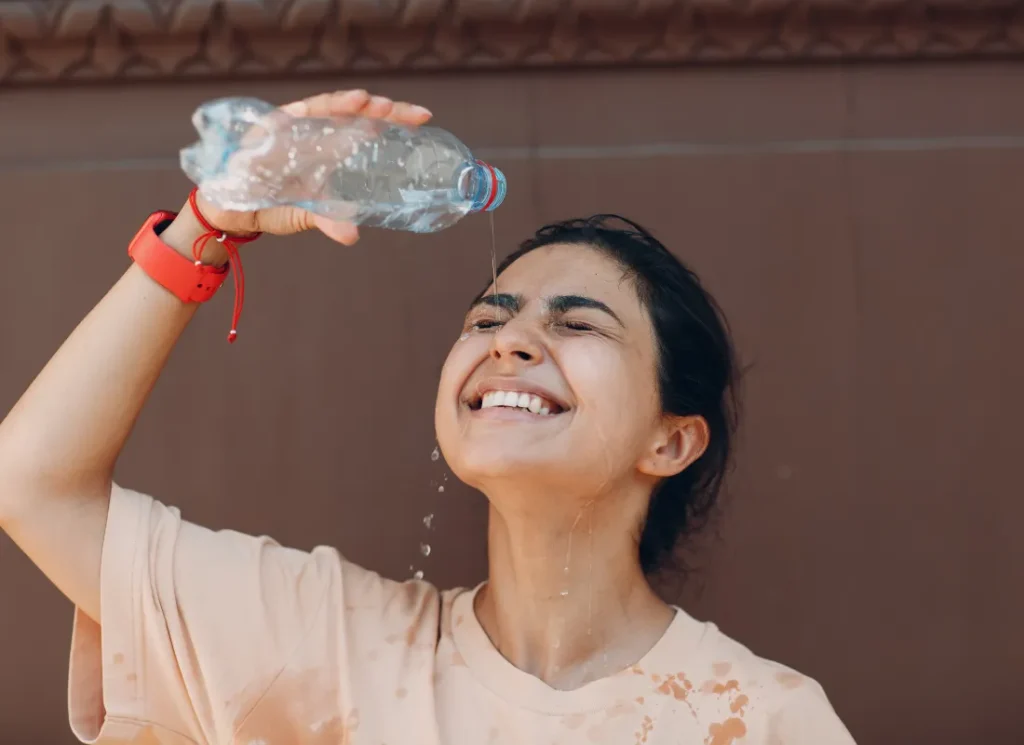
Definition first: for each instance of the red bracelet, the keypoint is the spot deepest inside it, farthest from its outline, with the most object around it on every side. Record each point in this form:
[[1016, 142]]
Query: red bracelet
[[190, 281]]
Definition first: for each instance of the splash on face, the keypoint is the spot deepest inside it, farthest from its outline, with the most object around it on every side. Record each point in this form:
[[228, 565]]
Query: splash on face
[[552, 387]]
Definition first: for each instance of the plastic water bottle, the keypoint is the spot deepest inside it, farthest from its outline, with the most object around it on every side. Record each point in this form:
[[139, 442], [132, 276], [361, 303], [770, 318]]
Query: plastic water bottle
[[251, 155]]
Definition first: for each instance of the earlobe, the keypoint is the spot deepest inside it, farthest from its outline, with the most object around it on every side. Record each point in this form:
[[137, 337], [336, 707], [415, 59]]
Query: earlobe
[[681, 441]]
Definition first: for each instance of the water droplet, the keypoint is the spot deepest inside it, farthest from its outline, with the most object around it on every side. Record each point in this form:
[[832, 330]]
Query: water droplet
[[418, 574], [557, 643], [464, 337], [425, 549], [564, 593], [428, 519], [435, 454], [440, 488]]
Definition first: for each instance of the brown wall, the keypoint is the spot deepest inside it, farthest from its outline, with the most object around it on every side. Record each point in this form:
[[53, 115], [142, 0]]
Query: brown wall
[[859, 225]]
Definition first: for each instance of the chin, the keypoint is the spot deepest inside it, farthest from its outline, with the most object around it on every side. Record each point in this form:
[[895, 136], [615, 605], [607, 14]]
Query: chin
[[509, 454], [480, 464], [503, 475]]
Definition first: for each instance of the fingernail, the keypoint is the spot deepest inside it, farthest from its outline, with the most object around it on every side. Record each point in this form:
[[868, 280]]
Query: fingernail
[[420, 111]]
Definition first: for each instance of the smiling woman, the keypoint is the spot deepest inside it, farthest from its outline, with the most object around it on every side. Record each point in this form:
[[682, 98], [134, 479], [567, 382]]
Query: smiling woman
[[590, 401], [694, 367]]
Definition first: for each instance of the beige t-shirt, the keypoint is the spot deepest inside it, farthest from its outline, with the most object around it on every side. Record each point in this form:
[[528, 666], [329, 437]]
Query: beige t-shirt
[[219, 637]]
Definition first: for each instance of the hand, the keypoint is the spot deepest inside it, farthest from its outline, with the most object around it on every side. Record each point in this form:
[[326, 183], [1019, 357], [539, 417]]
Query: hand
[[289, 220]]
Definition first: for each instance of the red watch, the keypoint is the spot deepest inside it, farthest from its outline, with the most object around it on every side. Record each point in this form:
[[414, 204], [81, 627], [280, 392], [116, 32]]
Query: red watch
[[189, 281]]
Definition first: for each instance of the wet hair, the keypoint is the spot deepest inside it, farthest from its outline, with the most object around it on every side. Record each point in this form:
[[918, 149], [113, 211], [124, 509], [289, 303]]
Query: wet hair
[[696, 369]]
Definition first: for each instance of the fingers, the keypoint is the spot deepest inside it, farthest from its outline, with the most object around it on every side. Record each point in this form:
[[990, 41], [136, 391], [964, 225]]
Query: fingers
[[359, 102], [378, 107], [288, 220], [338, 103], [409, 114], [343, 232]]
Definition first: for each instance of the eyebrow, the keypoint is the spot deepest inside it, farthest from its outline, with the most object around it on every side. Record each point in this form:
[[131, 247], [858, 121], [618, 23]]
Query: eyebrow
[[511, 303], [559, 304]]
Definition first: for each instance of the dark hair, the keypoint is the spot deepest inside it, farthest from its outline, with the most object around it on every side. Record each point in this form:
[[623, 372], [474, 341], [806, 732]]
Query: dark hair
[[696, 368]]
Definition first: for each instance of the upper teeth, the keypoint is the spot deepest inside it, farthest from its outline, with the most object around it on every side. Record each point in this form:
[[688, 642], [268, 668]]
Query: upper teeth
[[518, 400]]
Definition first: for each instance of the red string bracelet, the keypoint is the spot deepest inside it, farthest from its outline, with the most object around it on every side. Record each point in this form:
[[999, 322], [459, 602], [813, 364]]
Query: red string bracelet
[[230, 243]]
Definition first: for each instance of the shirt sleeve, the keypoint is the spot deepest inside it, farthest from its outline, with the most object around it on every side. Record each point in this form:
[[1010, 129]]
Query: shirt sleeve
[[807, 718], [195, 626]]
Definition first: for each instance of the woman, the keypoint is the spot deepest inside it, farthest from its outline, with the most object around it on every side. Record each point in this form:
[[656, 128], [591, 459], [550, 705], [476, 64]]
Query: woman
[[587, 397]]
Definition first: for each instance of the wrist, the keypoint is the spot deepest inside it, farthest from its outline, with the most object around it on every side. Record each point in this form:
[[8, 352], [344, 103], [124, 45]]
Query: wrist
[[185, 230], [188, 256]]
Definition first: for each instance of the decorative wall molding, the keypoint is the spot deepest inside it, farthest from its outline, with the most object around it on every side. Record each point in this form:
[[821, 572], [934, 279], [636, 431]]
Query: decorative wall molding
[[55, 41]]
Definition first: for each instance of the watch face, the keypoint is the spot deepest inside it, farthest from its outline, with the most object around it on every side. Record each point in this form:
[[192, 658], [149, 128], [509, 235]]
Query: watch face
[[161, 225]]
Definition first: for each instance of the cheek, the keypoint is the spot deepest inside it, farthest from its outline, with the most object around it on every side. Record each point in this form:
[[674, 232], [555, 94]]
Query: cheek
[[607, 380], [618, 390], [458, 366]]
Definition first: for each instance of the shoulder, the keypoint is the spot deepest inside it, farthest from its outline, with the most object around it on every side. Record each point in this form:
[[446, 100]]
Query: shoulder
[[730, 658], [787, 705]]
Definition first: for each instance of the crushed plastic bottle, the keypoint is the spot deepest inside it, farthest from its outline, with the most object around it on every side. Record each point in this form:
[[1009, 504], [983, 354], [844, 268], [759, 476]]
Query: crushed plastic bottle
[[251, 155]]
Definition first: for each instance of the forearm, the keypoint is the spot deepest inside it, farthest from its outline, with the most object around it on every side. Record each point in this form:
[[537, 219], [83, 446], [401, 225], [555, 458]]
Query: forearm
[[69, 427], [59, 444]]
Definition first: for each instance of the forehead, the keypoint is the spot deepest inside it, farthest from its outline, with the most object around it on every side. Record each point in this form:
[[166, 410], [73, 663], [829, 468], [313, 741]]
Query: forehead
[[569, 269]]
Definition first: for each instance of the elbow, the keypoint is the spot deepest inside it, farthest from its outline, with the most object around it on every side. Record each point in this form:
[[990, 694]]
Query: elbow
[[28, 481]]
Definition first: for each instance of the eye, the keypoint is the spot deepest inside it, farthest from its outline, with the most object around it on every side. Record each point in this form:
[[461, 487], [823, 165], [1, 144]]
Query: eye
[[485, 324], [577, 326]]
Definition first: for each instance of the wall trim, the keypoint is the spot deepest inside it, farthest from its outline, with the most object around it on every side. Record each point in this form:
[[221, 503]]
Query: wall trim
[[58, 41]]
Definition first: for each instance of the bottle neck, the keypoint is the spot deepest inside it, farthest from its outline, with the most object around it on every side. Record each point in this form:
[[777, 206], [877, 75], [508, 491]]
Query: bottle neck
[[483, 186]]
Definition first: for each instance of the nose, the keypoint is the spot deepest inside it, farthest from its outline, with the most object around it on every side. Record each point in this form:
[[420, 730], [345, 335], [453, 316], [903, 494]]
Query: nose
[[514, 342]]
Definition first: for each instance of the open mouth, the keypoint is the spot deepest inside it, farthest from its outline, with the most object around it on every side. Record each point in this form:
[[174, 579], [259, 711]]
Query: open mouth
[[531, 402]]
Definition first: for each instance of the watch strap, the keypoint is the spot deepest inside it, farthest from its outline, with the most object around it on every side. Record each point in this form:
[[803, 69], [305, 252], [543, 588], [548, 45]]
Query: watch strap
[[189, 281]]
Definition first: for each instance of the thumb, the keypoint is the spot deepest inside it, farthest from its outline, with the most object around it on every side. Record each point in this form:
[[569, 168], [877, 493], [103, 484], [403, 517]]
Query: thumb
[[342, 231]]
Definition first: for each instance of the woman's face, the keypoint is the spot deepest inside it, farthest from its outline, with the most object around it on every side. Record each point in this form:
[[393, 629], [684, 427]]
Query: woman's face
[[552, 388]]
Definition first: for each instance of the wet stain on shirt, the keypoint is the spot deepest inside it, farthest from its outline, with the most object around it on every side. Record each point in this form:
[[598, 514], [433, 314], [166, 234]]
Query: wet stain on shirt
[[301, 708], [719, 688], [646, 727], [573, 721], [725, 733], [736, 707], [789, 679], [147, 736], [676, 686]]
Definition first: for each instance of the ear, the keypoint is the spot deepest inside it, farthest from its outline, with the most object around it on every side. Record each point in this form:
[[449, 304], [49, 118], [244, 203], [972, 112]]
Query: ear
[[680, 441]]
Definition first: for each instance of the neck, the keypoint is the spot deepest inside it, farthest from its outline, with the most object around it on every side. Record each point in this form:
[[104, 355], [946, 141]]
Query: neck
[[566, 599]]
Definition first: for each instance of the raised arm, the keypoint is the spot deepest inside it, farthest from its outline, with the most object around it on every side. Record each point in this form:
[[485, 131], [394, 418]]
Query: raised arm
[[59, 444]]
